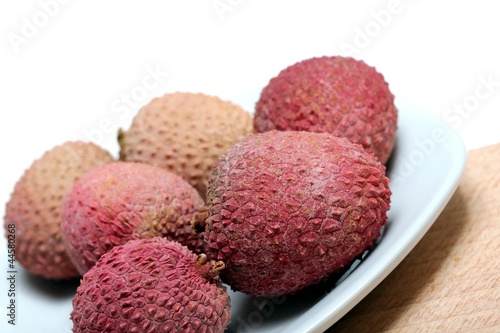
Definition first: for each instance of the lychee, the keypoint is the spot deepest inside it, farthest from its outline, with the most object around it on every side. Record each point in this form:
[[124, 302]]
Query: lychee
[[337, 95], [185, 133], [153, 286], [286, 209], [122, 201], [35, 207]]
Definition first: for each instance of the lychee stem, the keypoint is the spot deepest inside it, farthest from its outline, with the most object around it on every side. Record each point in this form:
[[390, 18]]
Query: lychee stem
[[211, 270], [201, 260], [121, 139], [199, 219]]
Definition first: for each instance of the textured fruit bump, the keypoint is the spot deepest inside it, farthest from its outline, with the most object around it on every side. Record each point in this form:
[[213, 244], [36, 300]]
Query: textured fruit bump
[[337, 95], [122, 201], [153, 286], [35, 207], [287, 209], [185, 133]]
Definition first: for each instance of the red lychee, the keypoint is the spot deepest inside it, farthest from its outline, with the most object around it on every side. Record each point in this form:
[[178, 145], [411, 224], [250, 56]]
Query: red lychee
[[337, 95], [286, 209], [153, 286], [122, 201]]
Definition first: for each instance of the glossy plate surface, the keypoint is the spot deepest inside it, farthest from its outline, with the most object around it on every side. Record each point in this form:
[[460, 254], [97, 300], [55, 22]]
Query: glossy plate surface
[[425, 169]]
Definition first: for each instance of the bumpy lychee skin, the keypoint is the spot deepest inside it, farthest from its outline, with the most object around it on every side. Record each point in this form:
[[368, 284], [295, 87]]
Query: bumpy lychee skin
[[153, 286], [35, 207], [122, 201], [287, 208], [185, 133], [337, 95]]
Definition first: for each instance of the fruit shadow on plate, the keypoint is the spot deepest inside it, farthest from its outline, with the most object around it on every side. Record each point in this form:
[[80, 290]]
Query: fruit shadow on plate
[[55, 289]]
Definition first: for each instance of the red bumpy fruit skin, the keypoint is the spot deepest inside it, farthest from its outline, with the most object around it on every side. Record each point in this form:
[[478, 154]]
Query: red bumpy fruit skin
[[286, 209], [35, 207], [122, 201], [337, 95], [150, 286]]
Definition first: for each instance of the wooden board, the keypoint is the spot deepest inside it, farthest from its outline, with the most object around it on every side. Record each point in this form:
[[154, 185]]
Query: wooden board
[[450, 282]]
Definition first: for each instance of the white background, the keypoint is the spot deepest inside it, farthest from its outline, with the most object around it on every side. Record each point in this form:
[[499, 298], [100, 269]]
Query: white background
[[63, 75]]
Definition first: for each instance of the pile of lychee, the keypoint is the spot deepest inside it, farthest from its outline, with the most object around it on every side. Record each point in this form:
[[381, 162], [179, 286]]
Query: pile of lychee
[[206, 195]]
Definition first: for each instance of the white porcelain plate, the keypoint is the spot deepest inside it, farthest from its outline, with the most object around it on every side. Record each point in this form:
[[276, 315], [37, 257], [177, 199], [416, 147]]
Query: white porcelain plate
[[425, 169]]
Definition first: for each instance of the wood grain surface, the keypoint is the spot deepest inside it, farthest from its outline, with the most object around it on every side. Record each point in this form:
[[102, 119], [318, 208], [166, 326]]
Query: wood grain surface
[[450, 282]]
